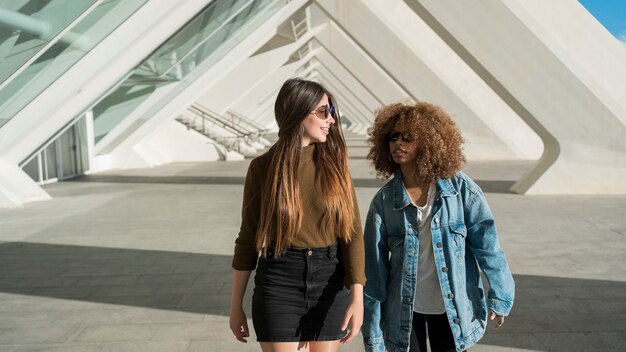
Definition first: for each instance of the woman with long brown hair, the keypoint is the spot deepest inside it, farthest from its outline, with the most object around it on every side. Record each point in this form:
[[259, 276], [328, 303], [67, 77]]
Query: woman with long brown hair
[[301, 215]]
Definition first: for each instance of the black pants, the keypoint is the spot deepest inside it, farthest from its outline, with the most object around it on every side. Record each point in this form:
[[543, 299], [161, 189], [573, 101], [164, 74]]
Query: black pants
[[439, 333]]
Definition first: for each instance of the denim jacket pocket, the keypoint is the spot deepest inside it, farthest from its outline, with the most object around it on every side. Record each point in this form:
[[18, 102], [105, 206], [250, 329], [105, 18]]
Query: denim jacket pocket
[[459, 233], [394, 241], [396, 256]]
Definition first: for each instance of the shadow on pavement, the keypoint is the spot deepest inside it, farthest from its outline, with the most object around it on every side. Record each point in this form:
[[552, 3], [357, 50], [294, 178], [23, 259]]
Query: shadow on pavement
[[200, 283], [181, 180], [490, 186]]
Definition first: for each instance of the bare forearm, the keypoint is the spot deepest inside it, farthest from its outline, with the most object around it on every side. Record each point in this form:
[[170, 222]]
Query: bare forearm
[[357, 292], [354, 313]]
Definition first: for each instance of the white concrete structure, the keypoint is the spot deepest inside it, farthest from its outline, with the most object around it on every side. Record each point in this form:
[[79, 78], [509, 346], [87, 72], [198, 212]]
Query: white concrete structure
[[421, 63], [524, 80], [560, 71], [79, 87]]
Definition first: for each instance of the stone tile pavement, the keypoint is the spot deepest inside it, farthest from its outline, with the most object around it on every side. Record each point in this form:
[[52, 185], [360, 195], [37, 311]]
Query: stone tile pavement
[[139, 260]]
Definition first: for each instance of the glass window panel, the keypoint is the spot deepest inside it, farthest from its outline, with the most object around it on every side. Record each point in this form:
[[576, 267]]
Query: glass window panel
[[68, 153], [83, 145], [51, 162], [204, 40], [27, 26], [67, 145], [63, 55], [116, 106]]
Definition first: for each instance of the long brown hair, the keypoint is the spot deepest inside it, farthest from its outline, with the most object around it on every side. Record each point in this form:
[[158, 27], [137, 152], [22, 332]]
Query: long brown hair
[[281, 207]]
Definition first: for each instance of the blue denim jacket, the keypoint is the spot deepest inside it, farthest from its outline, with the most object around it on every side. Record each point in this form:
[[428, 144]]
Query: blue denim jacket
[[464, 238]]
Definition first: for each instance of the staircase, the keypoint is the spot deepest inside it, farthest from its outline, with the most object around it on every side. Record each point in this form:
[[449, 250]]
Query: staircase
[[235, 136]]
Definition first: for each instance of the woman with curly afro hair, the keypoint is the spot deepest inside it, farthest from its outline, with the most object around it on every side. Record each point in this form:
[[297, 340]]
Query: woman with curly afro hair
[[429, 233]]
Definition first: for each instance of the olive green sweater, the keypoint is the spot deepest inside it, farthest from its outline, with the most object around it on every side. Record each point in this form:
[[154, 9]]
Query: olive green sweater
[[314, 232]]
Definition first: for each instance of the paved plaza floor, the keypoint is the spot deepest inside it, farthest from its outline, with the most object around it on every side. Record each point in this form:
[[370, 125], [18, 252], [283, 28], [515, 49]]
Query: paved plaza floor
[[139, 260]]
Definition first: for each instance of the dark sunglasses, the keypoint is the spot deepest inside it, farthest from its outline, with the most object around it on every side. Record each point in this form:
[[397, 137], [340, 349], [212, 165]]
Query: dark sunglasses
[[394, 136], [324, 111]]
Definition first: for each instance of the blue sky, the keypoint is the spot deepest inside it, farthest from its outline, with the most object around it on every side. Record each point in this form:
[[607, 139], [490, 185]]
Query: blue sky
[[611, 13]]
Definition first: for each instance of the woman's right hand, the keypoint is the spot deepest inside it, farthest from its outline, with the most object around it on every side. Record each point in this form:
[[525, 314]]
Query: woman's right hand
[[239, 324]]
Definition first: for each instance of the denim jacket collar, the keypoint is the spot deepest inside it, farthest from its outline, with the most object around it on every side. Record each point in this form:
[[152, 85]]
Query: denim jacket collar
[[445, 187], [401, 198]]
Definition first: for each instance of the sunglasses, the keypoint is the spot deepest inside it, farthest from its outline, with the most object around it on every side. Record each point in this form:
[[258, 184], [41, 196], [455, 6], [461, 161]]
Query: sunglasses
[[394, 136], [324, 111]]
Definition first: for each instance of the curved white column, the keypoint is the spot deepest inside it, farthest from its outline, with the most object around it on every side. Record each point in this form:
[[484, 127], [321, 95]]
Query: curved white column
[[425, 67], [560, 71]]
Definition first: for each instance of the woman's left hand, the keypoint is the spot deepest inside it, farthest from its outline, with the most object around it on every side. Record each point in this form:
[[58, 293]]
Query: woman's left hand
[[354, 313], [500, 320]]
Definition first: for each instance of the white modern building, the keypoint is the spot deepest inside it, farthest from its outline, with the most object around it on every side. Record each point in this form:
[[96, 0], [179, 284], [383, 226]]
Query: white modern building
[[94, 85]]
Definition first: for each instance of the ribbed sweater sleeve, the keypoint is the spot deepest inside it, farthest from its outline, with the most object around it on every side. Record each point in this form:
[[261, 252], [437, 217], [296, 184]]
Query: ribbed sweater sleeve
[[246, 255], [354, 256]]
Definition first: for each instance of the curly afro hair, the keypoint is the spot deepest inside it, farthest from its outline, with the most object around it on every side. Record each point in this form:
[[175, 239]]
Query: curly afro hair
[[439, 149]]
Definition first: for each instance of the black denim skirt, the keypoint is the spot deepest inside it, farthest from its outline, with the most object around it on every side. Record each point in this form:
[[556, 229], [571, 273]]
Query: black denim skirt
[[300, 296]]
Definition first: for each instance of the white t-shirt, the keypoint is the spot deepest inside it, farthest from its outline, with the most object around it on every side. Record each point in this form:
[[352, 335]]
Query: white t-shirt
[[428, 298]]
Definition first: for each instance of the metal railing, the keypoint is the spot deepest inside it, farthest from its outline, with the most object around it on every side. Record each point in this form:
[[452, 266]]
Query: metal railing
[[242, 129], [239, 119], [245, 127]]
